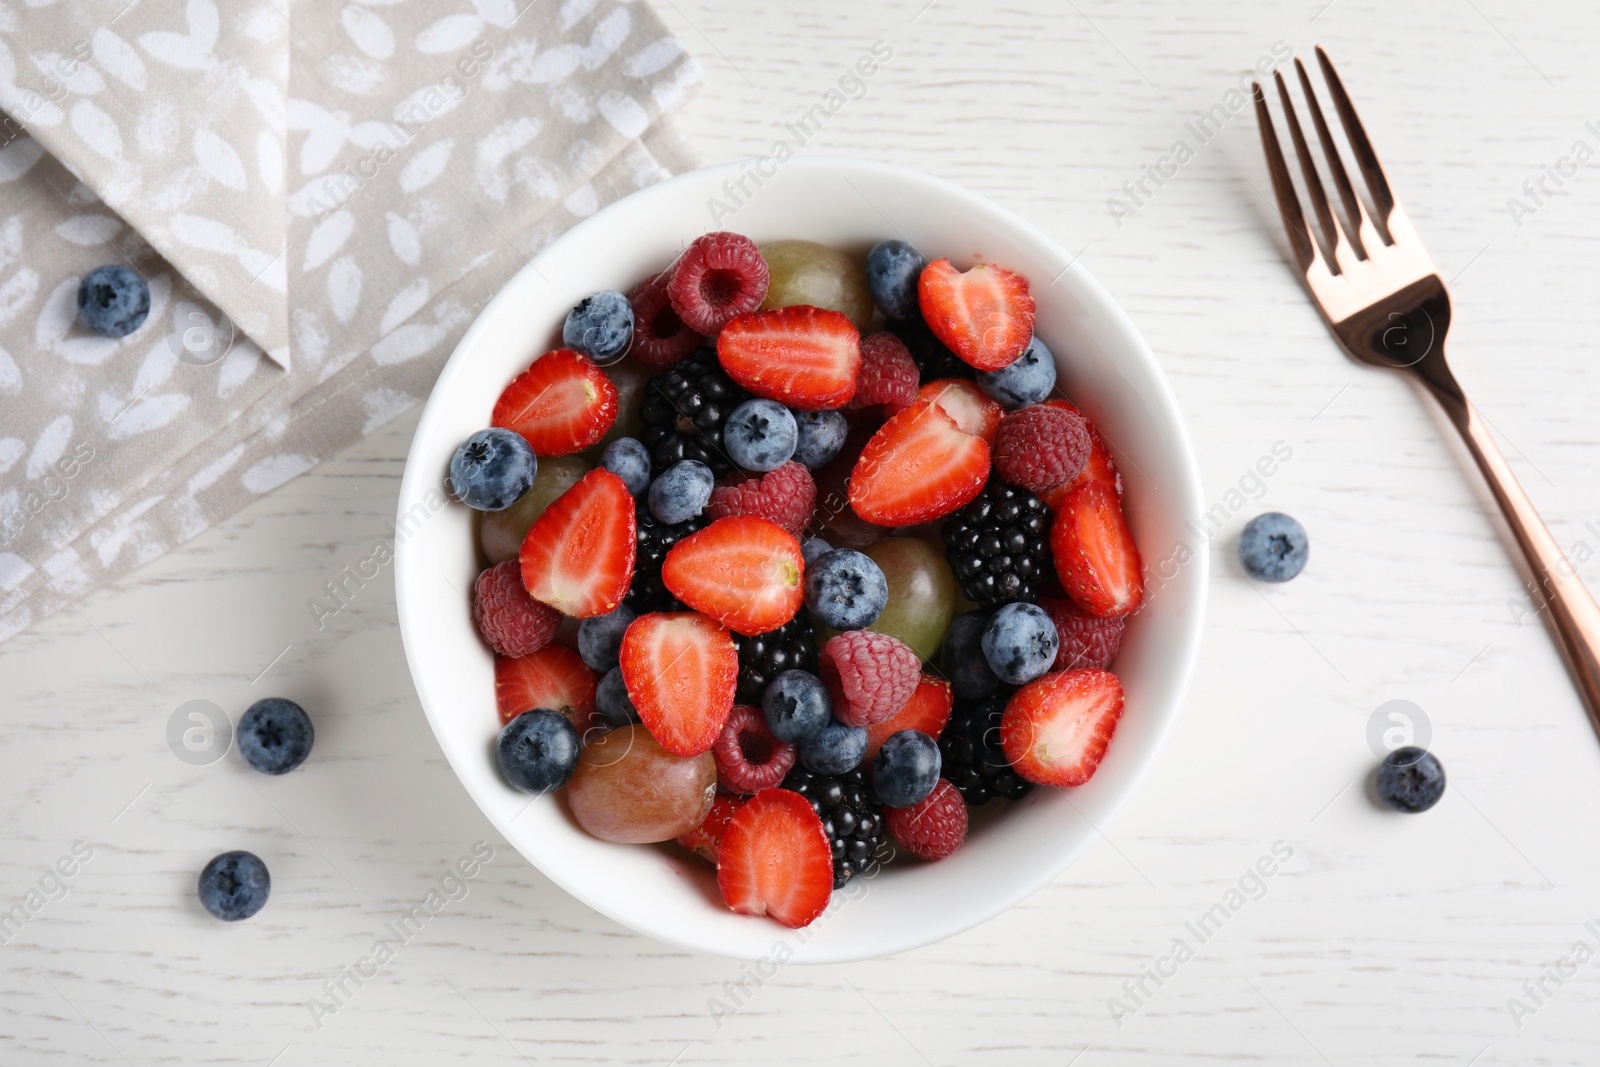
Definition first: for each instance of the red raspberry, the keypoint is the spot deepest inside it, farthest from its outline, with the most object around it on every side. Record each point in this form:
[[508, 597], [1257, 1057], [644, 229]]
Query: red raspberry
[[784, 496], [888, 376], [719, 276], [749, 758], [932, 828], [869, 675], [1040, 447], [509, 619], [1087, 641], [660, 338]]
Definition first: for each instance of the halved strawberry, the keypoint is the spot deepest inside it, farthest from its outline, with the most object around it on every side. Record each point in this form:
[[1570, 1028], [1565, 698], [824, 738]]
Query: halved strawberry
[[554, 677], [744, 571], [578, 555], [704, 839], [562, 404], [1056, 728], [928, 710], [983, 315], [1096, 558], [974, 410], [803, 356], [680, 669], [919, 466], [1100, 468], [775, 859]]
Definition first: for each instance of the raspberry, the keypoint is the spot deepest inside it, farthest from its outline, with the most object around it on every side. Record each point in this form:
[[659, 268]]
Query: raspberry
[[1087, 641], [933, 827], [888, 376], [509, 619], [719, 276], [660, 338], [749, 758], [1041, 447], [785, 496], [869, 676]]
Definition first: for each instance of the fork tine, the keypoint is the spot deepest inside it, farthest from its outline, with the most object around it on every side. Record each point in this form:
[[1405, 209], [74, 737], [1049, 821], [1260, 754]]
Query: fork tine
[[1366, 158], [1331, 235], [1305, 249], [1355, 211]]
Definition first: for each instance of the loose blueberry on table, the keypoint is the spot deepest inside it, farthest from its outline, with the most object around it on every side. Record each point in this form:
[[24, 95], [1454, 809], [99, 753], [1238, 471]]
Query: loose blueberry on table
[[275, 735], [234, 886], [1410, 779], [833, 583], [1273, 547]]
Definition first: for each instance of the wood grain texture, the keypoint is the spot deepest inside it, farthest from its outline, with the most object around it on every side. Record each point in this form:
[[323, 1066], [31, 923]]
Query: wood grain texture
[[1381, 940]]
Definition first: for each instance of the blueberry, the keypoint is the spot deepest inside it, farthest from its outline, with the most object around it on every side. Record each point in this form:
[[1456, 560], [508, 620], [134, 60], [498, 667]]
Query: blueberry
[[821, 435], [600, 327], [235, 886], [113, 301], [682, 491], [971, 677], [837, 749], [760, 435], [796, 707], [275, 735], [1020, 643], [537, 751], [611, 697], [492, 469], [628, 459], [845, 589], [1410, 779], [906, 770], [893, 268], [600, 637], [1273, 547], [812, 547], [1027, 381]]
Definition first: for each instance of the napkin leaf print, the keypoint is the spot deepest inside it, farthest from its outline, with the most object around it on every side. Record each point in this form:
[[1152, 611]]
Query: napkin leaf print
[[190, 50], [218, 159], [98, 130], [118, 58], [450, 33], [368, 31]]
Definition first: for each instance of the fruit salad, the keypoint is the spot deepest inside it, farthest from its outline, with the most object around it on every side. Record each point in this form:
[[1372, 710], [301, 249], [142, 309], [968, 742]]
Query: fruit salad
[[791, 559]]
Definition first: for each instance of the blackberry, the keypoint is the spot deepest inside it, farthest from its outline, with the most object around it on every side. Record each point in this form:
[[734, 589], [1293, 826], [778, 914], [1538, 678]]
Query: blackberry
[[850, 817], [646, 593], [792, 646], [999, 545], [684, 410], [970, 753], [934, 361]]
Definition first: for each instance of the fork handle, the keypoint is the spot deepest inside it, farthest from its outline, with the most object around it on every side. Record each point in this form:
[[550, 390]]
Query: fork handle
[[1576, 616]]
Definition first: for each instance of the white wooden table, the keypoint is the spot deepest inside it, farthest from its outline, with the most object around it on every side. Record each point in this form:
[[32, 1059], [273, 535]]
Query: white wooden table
[[1381, 939]]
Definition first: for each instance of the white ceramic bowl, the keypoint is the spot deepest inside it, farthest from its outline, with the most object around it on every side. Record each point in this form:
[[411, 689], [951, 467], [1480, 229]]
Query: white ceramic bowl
[[1105, 367]]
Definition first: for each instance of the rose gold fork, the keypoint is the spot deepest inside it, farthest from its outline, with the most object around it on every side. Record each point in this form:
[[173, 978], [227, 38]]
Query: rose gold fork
[[1383, 299]]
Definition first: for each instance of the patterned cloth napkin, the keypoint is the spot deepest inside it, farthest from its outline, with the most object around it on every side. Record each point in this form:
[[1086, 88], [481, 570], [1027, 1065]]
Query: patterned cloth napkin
[[321, 197]]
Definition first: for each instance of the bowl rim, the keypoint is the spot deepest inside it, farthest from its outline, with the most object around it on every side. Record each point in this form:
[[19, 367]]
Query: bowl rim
[[1186, 653]]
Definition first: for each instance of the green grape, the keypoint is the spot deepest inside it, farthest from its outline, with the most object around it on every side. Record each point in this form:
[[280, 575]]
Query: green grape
[[804, 272], [922, 593]]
